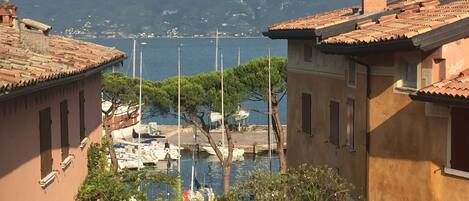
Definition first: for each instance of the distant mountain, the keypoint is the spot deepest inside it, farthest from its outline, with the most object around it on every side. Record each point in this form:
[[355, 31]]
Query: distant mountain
[[168, 18]]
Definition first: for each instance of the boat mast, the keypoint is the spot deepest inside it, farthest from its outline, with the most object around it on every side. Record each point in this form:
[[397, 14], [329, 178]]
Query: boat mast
[[179, 109], [140, 95], [270, 118], [222, 107], [239, 56], [216, 51], [134, 59]]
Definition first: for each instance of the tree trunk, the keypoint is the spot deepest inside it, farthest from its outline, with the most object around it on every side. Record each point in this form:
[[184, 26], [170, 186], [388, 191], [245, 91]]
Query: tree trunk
[[279, 134], [225, 162], [112, 152], [228, 161]]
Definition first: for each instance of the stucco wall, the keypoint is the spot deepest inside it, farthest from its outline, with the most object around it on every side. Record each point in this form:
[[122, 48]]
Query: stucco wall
[[324, 78], [19, 137], [408, 141]]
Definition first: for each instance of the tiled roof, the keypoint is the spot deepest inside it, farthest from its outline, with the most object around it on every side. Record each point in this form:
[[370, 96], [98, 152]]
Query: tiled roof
[[413, 21], [334, 17], [316, 21], [457, 87], [20, 67]]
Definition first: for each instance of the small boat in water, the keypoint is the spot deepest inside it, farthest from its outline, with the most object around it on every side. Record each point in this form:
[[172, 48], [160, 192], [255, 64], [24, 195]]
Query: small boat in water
[[237, 153]]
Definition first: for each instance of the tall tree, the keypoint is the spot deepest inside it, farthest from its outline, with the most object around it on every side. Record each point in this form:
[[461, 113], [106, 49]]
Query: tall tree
[[122, 91], [200, 95], [254, 78]]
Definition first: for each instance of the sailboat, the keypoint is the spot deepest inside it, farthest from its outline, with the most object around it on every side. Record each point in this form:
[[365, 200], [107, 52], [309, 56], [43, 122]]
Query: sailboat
[[237, 153]]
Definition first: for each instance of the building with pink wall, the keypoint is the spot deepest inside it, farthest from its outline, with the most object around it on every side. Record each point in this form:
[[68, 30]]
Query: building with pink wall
[[50, 109]]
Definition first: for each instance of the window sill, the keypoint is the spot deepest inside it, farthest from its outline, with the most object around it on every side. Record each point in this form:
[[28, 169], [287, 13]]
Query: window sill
[[84, 142], [48, 179], [457, 173], [64, 164], [405, 90]]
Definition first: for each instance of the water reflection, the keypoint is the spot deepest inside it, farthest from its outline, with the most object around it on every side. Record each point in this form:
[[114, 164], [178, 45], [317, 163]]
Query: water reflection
[[209, 172]]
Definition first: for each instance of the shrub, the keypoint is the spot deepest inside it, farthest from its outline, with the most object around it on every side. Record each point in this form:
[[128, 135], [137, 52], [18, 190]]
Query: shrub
[[298, 184], [104, 185]]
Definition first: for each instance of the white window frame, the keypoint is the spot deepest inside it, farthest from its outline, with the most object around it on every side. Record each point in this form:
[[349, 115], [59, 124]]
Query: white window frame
[[400, 85], [350, 137]]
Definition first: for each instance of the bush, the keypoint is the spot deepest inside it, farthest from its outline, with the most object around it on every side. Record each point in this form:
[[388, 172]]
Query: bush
[[298, 184], [104, 185]]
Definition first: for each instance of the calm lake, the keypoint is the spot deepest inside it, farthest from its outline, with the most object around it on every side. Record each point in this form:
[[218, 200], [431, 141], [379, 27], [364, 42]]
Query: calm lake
[[197, 56]]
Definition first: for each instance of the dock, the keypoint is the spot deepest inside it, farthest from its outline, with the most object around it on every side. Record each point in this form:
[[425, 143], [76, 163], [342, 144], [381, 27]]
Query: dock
[[253, 141]]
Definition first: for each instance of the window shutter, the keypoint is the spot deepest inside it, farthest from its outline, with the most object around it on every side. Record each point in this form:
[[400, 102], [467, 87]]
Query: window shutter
[[334, 123], [459, 139], [64, 129], [45, 141], [351, 123], [306, 113], [82, 114]]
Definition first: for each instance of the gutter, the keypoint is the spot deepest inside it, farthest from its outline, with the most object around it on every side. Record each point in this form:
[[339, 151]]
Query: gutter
[[442, 99], [367, 122], [57, 82]]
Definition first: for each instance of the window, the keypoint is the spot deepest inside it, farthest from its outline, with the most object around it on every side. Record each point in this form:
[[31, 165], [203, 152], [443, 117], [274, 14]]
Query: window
[[334, 123], [408, 74], [459, 146], [352, 74], [306, 113], [308, 50], [351, 123], [45, 141], [64, 129], [82, 114]]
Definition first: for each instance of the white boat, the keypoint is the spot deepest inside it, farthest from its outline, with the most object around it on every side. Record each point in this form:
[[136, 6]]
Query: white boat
[[202, 195], [154, 150], [236, 152], [127, 160]]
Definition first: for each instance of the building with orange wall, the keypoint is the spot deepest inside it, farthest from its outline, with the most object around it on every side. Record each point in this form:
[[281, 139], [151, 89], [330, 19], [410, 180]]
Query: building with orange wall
[[50, 108], [379, 92]]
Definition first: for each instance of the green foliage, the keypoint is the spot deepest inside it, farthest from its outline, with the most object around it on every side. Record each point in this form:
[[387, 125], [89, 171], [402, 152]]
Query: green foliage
[[103, 184], [298, 184], [124, 91], [254, 76], [200, 93]]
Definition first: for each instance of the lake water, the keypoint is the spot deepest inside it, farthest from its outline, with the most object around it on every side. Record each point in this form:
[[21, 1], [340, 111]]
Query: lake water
[[197, 56], [209, 172]]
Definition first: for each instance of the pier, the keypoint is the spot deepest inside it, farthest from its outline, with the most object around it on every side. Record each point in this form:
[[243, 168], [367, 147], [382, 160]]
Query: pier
[[253, 140]]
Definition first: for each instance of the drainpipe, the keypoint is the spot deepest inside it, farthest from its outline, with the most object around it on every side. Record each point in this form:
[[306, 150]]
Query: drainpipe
[[367, 108]]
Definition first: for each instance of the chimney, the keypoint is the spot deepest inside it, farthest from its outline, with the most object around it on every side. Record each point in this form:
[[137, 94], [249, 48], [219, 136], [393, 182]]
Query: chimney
[[34, 35], [7, 13], [373, 6]]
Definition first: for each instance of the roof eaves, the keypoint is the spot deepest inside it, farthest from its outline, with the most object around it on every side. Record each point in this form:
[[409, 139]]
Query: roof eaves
[[442, 99], [291, 34], [442, 35], [19, 89], [367, 48]]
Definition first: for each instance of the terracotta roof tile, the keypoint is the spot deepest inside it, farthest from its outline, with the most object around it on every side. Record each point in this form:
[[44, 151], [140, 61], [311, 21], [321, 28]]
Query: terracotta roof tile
[[317, 21], [334, 17], [20, 67], [457, 87], [407, 24]]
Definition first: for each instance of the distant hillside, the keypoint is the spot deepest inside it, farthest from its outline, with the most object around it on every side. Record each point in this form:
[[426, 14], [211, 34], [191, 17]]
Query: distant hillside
[[149, 18]]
